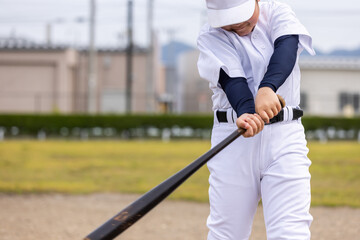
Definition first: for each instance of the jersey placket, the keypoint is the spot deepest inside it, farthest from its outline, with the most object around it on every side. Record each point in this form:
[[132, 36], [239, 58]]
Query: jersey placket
[[258, 59]]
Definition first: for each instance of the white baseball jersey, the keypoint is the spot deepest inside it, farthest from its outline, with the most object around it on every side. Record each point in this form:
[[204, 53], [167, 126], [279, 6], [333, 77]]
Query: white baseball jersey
[[248, 56]]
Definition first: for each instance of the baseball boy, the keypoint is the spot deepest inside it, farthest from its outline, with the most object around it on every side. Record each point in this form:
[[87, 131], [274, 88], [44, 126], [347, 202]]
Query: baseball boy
[[249, 53]]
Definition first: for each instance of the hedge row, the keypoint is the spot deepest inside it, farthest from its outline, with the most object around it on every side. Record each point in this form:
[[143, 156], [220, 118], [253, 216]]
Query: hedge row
[[32, 124]]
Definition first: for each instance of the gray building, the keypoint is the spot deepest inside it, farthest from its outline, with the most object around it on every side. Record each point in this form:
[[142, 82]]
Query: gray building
[[194, 92]]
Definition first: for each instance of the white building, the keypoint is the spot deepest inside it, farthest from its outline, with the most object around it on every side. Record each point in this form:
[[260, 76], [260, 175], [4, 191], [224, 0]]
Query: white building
[[330, 85]]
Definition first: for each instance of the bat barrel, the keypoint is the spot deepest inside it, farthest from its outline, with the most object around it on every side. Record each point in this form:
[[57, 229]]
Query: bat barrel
[[136, 210]]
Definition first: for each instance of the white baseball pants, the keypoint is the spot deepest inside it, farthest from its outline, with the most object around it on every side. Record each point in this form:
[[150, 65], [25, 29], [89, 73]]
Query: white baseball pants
[[272, 166]]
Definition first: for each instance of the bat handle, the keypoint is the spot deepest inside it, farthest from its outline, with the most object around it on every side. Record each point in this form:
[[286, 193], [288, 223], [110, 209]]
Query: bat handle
[[282, 101]]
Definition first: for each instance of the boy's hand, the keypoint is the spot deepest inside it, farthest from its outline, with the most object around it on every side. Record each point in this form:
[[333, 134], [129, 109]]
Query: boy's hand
[[252, 123], [267, 104]]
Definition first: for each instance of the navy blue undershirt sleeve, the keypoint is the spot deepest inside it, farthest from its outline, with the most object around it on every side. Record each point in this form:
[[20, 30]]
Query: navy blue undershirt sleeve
[[281, 62], [238, 93]]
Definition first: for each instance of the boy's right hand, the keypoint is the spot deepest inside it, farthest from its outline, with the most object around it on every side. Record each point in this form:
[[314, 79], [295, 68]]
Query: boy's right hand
[[252, 123]]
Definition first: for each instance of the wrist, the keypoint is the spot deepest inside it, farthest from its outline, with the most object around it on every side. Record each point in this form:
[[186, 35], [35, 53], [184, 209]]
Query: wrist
[[264, 92], [250, 110], [267, 86]]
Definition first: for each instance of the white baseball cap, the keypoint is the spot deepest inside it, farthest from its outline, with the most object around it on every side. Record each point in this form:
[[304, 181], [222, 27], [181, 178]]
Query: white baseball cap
[[226, 12]]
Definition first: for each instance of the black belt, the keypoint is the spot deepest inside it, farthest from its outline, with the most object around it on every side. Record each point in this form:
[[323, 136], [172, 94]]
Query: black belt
[[297, 113]]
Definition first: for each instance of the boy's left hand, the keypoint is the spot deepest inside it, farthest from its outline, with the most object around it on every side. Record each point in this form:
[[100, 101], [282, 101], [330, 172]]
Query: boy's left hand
[[267, 104]]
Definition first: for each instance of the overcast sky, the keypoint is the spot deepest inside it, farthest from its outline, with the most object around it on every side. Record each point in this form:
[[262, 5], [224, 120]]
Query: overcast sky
[[333, 24]]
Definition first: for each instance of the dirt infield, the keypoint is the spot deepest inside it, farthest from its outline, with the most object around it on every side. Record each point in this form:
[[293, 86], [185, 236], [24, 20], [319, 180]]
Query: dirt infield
[[55, 216]]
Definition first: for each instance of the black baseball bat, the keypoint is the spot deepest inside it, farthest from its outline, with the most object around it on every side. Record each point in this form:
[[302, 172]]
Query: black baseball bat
[[136, 210]]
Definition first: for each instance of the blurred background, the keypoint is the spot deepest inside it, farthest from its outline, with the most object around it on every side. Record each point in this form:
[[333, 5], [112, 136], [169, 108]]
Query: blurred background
[[118, 56], [121, 71], [121, 57]]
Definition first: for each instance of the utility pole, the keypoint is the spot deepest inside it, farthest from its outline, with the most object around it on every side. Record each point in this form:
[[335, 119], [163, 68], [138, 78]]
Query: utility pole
[[92, 103], [129, 57], [48, 34], [150, 58]]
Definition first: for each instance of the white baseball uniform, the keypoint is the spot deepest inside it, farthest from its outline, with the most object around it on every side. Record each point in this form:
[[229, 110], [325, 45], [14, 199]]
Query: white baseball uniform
[[272, 165]]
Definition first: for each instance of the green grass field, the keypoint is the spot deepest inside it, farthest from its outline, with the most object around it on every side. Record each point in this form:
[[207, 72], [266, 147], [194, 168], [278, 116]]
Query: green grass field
[[76, 167]]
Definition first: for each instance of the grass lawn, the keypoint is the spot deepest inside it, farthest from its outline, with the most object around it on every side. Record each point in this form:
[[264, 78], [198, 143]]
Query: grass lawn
[[137, 166]]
